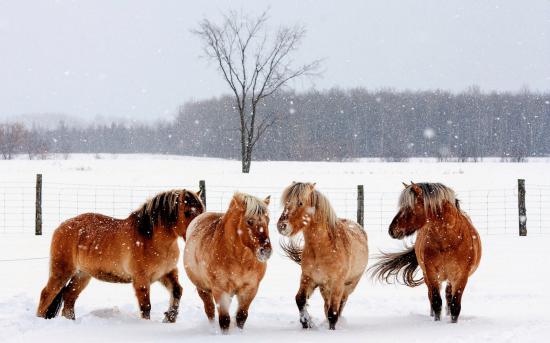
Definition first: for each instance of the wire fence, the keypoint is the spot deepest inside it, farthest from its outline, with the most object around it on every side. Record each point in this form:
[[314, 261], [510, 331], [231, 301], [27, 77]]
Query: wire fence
[[493, 211]]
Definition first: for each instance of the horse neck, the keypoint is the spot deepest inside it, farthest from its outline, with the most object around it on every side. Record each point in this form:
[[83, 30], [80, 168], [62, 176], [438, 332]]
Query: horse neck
[[316, 234], [445, 221], [162, 235], [226, 234]]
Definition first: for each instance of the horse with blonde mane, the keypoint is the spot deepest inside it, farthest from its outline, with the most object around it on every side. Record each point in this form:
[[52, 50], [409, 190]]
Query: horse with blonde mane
[[225, 255], [140, 249], [447, 248], [334, 254]]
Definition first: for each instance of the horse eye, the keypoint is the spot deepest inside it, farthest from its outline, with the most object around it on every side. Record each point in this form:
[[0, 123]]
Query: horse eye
[[300, 203], [250, 222], [187, 214]]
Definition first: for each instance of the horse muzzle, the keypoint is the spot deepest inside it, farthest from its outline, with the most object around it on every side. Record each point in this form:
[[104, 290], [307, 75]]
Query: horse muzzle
[[263, 253], [284, 228]]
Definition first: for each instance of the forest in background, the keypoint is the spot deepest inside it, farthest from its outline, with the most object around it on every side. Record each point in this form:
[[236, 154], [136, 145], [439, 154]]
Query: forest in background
[[329, 125]]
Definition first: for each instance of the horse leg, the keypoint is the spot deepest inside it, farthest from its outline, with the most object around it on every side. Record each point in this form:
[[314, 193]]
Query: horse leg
[[209, 307], [245, 297], [325, 293], [349, 288], [142, 289], [223, 301], [435, 297], [170, 281], [448, 297], [73, 289], [51, 295], [306, 288], [458, 290], [336, 296]]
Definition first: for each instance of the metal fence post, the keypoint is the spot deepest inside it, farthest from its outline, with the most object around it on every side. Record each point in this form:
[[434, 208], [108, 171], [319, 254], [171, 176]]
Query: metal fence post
[[360, 205], [522, 211], [38, 206], [202, 188]]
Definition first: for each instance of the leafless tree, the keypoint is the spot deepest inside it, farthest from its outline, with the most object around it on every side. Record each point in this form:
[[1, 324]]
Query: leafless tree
[[12, 137], [255, 63]]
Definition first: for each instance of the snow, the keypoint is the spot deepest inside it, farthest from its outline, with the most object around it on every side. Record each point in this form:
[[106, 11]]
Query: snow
[[505, 300]]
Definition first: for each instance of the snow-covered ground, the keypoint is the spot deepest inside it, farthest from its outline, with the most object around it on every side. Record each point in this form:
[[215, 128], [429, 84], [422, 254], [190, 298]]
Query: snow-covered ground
[[506, 300]]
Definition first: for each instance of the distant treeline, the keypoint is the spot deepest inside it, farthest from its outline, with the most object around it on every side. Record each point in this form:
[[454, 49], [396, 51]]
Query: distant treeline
[[336, 125]]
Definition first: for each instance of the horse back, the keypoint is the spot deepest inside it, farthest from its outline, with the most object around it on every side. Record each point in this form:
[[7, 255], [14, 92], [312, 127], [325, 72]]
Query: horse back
[[89, 237], [449, 251], [355, 244]]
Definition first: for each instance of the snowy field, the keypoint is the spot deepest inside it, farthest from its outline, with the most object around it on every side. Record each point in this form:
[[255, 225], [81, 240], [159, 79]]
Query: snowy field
[[505, 300]]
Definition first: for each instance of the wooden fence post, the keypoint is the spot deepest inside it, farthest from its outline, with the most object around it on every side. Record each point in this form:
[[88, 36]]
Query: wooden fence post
[[360, 205], [38, 206], [522, 211], [202, 188]]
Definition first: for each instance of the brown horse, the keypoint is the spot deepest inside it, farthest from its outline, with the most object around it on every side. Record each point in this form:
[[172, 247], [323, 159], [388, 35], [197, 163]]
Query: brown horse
[[140, 249], [225, 255], [335, 251], [447, 248]]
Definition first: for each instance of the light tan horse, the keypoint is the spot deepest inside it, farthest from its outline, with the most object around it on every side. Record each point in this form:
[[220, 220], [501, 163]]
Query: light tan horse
[[447, 248], [140, 249], [335, 251], [226, 254]]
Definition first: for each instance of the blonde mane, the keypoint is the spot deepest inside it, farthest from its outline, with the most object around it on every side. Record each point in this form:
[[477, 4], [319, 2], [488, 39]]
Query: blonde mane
[[306, 194], [254, 206], [434, 195]]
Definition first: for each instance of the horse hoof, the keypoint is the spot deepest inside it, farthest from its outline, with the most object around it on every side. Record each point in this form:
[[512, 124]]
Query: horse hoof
[[306, 324], [454, 319], [68, 314], [170, 317], [437, 318]]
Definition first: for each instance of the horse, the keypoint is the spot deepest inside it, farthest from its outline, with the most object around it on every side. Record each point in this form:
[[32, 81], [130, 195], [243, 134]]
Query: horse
[[226, 254], [447, 247], [140, 249], [334, 253]]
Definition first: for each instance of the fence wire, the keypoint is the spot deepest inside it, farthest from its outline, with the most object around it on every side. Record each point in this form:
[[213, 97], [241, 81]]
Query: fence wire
[[493, 211]]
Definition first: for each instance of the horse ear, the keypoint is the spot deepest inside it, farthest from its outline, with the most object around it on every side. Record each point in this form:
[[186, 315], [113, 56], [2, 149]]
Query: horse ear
[[238, 203], [199, 193], [405, 185], [266, 200], [312, 185], [416, 189]]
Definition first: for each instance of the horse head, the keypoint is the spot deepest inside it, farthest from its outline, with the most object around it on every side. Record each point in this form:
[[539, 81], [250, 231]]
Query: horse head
[[298, 208], [252, 222], [412, 213], [189, 206]]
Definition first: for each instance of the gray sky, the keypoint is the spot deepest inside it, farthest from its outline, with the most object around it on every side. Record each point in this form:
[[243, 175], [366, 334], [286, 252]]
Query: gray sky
[[137, 59]]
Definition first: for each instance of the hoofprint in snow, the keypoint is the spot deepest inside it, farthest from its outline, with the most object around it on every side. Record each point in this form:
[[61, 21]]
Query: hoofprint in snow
[[505, 300]]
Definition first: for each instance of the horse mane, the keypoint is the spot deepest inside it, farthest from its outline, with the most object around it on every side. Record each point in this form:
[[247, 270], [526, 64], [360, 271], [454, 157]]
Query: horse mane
[[253, 205], [434, 194], [162, 209], [298, 192]]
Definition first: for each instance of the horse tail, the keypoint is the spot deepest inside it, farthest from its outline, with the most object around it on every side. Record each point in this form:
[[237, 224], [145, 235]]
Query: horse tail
[[55, 306], [400, 266], [292, 249]]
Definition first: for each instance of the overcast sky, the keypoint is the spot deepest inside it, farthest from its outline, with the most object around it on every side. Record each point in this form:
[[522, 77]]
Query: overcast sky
[[137, 59]]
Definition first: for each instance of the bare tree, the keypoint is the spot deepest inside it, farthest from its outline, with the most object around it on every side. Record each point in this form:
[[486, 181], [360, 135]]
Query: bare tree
[[254, 64], [12, 137]]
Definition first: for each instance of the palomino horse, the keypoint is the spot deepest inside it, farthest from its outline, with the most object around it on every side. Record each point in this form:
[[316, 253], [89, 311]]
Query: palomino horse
[[335, 251], [225, 255], [140, 249], [447, 245]]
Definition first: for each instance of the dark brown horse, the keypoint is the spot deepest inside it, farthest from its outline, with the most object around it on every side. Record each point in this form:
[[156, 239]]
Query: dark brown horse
[[335, 251], [140, 249], [447, 248], [226, 254]]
